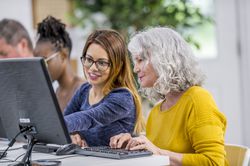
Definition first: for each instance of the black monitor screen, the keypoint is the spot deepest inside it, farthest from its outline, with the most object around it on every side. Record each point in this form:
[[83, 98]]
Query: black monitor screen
[[27, 98], [2, 131]]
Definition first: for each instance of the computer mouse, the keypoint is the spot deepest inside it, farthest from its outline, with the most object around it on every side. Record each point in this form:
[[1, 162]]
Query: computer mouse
[[67, 149]]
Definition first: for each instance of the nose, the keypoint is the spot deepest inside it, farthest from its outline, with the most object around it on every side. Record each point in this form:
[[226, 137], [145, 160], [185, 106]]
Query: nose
[[93, 67], [136, 68]]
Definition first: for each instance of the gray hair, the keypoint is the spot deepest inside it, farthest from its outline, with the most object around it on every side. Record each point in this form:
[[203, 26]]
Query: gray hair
[[13, 32], [172, 59]]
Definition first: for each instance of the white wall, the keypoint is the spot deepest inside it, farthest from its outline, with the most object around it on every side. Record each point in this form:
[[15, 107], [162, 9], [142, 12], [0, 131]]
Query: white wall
[[223, 76], [78, 37], [20, 10], [243, 7]]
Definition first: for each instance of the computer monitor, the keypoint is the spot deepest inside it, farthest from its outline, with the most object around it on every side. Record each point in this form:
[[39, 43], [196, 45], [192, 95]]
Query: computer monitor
[[27, 98], [2, 131]]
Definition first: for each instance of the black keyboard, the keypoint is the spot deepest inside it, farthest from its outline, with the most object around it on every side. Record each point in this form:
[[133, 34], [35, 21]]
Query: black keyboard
[[107, 152]]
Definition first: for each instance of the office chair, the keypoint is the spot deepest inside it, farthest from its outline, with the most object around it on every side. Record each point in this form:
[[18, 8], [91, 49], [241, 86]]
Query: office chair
[[237, 155]]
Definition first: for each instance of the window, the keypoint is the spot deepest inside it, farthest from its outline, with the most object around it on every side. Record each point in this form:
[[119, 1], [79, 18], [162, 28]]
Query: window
[[205, 34]]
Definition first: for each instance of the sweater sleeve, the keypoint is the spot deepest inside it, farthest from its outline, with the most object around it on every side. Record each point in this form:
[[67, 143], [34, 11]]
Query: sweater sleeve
[[206, 133], [116, 105]]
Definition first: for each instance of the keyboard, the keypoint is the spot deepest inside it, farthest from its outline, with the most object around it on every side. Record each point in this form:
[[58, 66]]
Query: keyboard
[[107, 152]]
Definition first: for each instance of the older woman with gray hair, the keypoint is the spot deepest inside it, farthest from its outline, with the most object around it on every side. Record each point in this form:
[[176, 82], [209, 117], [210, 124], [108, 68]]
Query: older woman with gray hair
[[185, 124]]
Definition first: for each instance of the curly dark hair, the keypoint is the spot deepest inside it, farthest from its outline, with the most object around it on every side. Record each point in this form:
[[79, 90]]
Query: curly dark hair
[[53, 30]]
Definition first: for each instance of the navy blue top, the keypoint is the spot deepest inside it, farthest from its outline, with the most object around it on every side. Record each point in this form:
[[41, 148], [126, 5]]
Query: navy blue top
[[114, 114]]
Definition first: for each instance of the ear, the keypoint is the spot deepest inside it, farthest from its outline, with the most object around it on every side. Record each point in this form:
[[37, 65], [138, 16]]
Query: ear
[[23, 47], [64, 54], [64, 58]]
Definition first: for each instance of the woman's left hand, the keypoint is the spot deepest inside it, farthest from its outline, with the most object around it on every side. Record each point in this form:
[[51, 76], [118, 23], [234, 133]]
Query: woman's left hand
[[142, 142]]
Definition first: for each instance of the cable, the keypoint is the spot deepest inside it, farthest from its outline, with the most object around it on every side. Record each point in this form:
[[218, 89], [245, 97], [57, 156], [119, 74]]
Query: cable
[[14, 140], [50, 159], [10, 160], [12, 149], [19, 156], [7, 161]]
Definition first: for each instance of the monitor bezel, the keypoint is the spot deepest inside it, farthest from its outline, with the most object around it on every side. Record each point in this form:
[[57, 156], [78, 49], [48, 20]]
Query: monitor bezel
[[40, 64]]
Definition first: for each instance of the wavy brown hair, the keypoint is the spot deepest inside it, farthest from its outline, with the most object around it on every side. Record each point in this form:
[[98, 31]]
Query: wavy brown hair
[[121, 75]]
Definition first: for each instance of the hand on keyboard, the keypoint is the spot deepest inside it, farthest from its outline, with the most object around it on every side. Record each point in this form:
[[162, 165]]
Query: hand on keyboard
[[133, 143], [120, 140], [142, 142], [77, 139]]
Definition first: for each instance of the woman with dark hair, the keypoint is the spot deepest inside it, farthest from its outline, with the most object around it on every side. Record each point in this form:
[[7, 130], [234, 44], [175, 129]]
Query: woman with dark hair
[[108, 104], [54, 45]]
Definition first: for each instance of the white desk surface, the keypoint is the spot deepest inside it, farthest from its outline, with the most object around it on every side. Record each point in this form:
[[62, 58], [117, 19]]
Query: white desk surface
[[80, 160]]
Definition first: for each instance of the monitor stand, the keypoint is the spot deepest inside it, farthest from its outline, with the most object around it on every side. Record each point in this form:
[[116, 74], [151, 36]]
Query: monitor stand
[[43, 148], [26, 161]]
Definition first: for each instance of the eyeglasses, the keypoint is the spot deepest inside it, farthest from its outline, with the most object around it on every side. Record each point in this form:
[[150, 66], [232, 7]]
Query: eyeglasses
[[51, 57], [46, 60], [101, 65]]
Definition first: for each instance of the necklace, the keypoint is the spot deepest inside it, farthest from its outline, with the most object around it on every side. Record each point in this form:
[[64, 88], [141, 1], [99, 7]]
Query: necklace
[[164, 105]]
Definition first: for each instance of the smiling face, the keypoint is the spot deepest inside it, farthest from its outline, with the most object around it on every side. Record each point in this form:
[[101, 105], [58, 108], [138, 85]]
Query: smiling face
[[95, 76], [146, 74]]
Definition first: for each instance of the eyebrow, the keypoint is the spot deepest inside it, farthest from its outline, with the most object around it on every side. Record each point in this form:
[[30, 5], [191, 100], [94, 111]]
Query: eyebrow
[[87, 55]]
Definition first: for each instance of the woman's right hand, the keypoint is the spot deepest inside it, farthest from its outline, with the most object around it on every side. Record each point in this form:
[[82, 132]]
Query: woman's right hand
[[120, 140], [76, 139]]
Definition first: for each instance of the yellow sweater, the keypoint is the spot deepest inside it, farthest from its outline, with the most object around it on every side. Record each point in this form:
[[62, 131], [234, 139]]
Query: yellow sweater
[[193, 126]]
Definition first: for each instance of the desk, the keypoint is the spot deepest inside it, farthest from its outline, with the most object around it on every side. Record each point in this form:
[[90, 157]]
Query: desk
[[80, 160]]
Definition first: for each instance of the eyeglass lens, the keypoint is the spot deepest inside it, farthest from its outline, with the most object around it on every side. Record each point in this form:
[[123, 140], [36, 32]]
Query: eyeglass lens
[[101, 65]]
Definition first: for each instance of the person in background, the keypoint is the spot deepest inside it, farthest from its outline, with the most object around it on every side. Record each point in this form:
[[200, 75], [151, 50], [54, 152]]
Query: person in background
[[15, 41], [54, 45], [185, 124], [108, 104]]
